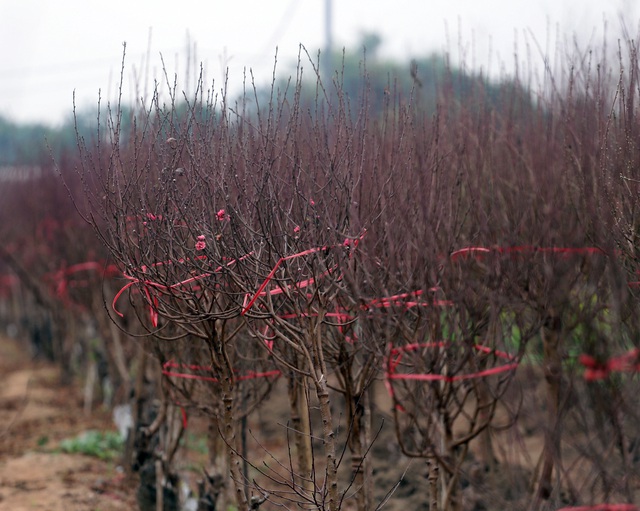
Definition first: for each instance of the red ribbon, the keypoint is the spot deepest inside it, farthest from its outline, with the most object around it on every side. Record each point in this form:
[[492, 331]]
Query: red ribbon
[[147, 284], [395, 357], [348, 243], [250, 375], [596, 370]]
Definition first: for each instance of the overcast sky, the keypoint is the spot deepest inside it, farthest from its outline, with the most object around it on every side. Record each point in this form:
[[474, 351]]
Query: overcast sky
[[51, 48]]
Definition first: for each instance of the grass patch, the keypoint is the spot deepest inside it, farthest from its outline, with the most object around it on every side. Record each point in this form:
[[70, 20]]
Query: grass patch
[[105, 445], [195, 443]]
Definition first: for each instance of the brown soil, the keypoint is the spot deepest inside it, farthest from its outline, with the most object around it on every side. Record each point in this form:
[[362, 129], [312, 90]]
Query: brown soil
[[36, 413]]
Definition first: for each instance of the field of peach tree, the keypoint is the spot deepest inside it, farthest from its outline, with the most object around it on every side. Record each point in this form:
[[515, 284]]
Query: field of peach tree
[[468, 274]]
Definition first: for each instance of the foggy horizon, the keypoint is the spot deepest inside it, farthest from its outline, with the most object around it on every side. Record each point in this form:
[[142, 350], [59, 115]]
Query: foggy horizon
[[59, 49]]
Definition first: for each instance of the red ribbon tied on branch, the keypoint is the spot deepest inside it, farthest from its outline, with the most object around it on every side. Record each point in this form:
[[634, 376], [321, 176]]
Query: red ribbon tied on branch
[[348, 243], [394, 358], [190, 372], [599, 370], [148, 285]]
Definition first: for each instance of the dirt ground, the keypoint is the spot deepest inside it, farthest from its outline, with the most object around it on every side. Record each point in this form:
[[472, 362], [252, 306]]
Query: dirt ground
[[36, 413]]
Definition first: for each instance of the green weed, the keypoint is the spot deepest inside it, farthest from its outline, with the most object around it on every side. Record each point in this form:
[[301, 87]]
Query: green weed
[[105, 445]]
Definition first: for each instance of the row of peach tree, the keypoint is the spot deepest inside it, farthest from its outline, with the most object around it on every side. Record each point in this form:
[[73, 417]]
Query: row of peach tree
[[478, 260]]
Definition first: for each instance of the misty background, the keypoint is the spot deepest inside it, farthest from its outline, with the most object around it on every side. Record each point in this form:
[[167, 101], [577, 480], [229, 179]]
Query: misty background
[[53, 49]]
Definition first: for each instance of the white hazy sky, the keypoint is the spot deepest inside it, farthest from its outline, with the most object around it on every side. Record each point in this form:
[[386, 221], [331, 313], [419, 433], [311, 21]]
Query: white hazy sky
[[51, 48]]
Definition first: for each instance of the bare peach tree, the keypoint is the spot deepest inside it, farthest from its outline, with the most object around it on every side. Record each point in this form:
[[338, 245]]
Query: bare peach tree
[[171, 197], [229, 219], [303, 311]]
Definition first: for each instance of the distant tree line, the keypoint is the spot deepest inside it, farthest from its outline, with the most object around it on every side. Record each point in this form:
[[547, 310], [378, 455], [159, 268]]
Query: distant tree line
[[29, 143], [427, 82], [34, 142], [424, 81]]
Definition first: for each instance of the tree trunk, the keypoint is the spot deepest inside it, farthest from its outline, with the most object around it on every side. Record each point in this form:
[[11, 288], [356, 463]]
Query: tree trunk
[[329, 442], [216, 482], [298, 401], [359, 414], [433, 484], [235, 462], [553, 376]]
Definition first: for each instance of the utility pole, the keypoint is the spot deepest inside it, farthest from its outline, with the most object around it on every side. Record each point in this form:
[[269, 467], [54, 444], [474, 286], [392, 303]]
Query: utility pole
[[328, 40]]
